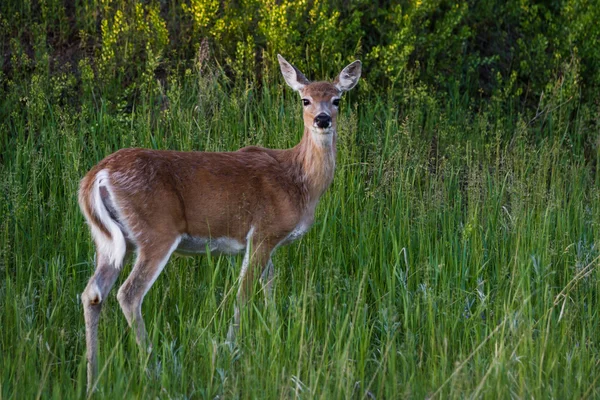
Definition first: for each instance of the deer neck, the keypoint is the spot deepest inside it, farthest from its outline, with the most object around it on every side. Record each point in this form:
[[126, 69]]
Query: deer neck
[[315, 157]]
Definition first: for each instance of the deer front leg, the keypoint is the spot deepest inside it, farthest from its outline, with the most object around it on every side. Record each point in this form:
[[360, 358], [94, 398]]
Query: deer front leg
[[256, 260], [267, 278]]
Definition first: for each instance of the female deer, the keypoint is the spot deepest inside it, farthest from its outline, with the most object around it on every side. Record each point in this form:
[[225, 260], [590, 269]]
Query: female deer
[[252, 201]]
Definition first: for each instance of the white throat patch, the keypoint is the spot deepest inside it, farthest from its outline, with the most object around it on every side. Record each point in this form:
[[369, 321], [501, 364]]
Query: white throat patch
[[322, 137]]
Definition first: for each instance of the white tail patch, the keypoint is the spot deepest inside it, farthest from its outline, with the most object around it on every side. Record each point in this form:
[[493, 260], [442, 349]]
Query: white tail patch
[[113, 248]]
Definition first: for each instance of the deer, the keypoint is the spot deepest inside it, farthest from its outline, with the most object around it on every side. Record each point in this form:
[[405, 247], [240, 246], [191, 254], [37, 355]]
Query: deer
[[251, 201]]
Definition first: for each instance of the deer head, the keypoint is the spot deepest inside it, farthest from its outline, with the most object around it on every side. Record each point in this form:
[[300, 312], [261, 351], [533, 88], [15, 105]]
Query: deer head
[[320, 99]]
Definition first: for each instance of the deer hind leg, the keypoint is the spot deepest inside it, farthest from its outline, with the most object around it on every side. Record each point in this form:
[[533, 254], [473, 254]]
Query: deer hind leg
[[149, 264], [92, 298]]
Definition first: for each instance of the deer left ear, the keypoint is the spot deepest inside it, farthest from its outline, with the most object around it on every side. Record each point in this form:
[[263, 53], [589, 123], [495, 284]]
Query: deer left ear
[[349, 76]]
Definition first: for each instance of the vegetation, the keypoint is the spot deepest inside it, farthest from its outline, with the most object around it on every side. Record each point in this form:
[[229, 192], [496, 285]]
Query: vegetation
[[455, 254]]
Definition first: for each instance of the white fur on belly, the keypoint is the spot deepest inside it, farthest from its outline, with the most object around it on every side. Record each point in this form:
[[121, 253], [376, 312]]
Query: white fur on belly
[[220, 245]]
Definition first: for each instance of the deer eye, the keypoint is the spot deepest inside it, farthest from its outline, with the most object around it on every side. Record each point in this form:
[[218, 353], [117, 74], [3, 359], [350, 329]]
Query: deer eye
[[306, 102], [336, 102]]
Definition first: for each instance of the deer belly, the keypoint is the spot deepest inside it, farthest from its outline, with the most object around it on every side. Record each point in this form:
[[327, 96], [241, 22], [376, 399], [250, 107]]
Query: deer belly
[[220, 245]]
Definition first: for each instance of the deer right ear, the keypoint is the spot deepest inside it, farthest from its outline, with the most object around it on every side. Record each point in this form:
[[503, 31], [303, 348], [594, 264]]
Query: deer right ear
[[292, 75]]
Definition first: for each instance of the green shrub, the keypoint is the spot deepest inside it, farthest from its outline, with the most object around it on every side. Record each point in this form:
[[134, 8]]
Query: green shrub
[[476, 53]]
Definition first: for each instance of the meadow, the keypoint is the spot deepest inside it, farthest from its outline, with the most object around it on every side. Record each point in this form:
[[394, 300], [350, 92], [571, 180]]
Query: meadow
[[454, 256], [445, 261]]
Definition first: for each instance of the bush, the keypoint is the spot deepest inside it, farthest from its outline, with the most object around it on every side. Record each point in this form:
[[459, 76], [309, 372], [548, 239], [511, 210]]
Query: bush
[[512, 50]]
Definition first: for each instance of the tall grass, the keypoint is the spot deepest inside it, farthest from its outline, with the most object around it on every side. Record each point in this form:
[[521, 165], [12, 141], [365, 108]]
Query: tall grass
[[452, 257]]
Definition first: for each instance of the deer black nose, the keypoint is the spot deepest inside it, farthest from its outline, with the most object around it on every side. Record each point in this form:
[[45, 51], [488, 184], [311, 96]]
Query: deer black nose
[[323, 121]]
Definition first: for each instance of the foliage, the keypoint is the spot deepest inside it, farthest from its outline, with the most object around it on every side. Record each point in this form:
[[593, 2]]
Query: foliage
[[484, 48]]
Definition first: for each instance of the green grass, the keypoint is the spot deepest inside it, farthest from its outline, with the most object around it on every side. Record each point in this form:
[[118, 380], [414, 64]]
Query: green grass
[[460, 266]]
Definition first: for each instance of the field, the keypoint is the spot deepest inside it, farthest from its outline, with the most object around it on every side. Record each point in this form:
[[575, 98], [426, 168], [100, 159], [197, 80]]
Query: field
[[446, 260]]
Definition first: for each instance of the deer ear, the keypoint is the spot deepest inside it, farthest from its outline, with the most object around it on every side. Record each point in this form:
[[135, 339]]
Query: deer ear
[[292, 75], [349, 76]]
